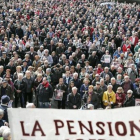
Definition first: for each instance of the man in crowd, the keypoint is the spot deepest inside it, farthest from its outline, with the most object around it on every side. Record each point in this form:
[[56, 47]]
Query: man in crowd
[[44, 94], [74, 99]]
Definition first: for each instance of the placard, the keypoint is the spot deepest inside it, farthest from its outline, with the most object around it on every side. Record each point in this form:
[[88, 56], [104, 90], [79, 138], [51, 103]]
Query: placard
[[51, 124]]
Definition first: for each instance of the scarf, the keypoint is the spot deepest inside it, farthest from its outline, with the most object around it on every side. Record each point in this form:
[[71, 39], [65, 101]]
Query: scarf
[[45, 85]]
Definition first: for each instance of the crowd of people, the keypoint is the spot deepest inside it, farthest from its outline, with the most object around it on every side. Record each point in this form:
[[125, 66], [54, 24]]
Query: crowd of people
[[73, 52]]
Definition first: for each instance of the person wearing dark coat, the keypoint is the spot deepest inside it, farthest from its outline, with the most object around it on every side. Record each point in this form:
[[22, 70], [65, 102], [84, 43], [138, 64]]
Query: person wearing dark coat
[[67, 78], [114, 84], [29, 82], [4, 105], [19, 32], [84, 87], [98, 90], [137, 92], [127, 84], [97, 79], [77, 82], [93, 59], [32, 54], [19, 88], [57, 73], [93, 97], [105, 72], [24, 67], [5, 89], [2, 122], [20, 52], [129, 101], [44, 94], [118, 41], [62, 88], [74, 99], [5, 59]]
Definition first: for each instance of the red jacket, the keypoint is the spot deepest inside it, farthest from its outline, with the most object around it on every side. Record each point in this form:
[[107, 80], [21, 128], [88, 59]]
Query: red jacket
[[99, 70], [125, 47], [120, 98], [136, 40]]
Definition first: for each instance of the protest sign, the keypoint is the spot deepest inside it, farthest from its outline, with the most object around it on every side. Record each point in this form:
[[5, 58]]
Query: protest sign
[[51, 124]]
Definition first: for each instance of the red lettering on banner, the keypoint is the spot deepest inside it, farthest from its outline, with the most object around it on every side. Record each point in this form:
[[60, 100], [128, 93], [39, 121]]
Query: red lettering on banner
[[23, 130], [90, 130], [37, 127], [132, 126], [70, 127], [102, 130], [110, 129], [117, 128], [58, 126]]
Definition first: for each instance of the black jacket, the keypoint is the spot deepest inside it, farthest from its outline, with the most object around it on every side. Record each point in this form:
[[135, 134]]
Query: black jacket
[[137, 93], [95, 100], [63, 88], [115, 86], [4, 108], [74, 100], [43, 93], [5, 62], [22, 87], [93, 60], [129, 102], [19, 32]]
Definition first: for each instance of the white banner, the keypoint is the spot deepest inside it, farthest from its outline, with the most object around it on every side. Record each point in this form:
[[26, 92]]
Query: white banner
[[51, 124]]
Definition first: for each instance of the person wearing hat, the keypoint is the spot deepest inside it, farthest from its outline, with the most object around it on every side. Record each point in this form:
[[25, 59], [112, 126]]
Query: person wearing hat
[[4, 105], [129, 100], [5, 89], [93, 97], [24, 66], [120, 97]]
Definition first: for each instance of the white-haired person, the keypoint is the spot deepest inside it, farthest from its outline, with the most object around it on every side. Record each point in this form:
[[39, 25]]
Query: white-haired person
[[30, 105], [2, 129], [109, 97], [6, 134], [74, 99], [19, 89], [129, 100]]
